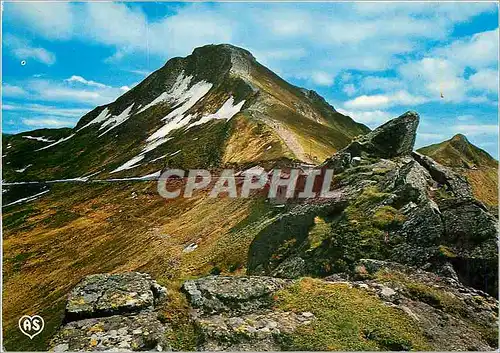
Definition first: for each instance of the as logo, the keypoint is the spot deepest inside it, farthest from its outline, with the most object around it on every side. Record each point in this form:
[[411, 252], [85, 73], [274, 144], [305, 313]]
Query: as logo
[[31, 325]]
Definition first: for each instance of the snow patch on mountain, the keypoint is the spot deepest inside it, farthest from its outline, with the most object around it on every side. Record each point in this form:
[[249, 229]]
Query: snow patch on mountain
[[37, 138], [103, 116], [129, 164], [175, 93], [57, 142], [116, 120], [27, 199], [152, 145], [23, 169], [158, 158], [226, 112], [176, 119]]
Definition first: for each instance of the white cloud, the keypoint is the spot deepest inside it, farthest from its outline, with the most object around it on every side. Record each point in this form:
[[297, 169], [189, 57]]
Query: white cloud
[[384, 101], [363, 36], [45, 109], [39, 54], [47, 122], [436, 78], [477, 51], [371, 83], [484, 80], [368, 102], [349, 89], [125, 88], [64, 91], [80, 79], [371, 118], [24, 50], [12, 91], [53, 20], [322, 78]]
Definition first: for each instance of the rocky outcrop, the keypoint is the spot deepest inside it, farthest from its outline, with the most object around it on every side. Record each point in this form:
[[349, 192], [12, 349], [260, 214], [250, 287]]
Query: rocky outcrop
[[456, 183], [235, 313], [392, 139], [217, 294], [113, 312], [441, 307], [258, 313], [391, 204]]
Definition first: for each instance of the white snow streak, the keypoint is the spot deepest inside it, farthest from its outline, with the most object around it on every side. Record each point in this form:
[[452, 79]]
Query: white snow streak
[[36, 138], [103, 115], [56, 143], [116, 120], [227, 111], [176, 119], [179, 87], [23, 169], [130, 164], [27, 199]]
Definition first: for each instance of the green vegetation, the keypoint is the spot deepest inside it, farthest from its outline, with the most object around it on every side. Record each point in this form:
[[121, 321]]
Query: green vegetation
[[181, 332], [364, 230], [438, 299], [347, 319], [319, 232], [444, 251], [60, 218]]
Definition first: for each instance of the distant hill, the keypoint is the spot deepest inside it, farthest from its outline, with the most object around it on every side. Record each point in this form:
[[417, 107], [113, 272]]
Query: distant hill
[[480, 168]]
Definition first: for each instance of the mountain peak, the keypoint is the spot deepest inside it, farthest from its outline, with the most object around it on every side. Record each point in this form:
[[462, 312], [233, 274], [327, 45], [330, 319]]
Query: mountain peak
[[223, 49], [459, 138]]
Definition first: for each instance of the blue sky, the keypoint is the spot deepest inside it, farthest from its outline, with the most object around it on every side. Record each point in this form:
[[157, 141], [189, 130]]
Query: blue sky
[[372, 61]]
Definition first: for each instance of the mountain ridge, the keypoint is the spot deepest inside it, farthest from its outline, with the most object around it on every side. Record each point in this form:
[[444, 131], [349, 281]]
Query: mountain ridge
[[204, 96]]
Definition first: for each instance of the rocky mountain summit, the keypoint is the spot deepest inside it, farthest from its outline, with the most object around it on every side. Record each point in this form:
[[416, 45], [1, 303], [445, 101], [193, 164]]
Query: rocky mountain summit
[[402, 257]]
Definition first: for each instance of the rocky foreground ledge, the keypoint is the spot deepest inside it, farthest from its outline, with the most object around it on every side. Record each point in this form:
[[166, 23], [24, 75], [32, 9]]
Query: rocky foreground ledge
[[113, 312], [380, 306]]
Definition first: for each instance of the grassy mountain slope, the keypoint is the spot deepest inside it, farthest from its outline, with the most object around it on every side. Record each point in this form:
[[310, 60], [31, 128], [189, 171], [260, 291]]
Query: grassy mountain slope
[[80, 229], [476, 164]]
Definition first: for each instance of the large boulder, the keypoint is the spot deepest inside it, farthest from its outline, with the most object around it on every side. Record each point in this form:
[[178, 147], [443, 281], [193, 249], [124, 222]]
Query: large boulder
[[113, 312], [394, 138], [236, 314], [216, 294]]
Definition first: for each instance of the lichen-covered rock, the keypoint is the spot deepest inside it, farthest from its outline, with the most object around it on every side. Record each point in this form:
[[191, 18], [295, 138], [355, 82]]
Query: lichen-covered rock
[[110, 294], [216, 294], [236, 314], [113, 312], [251, 332], [292, 267], [141, 332]]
